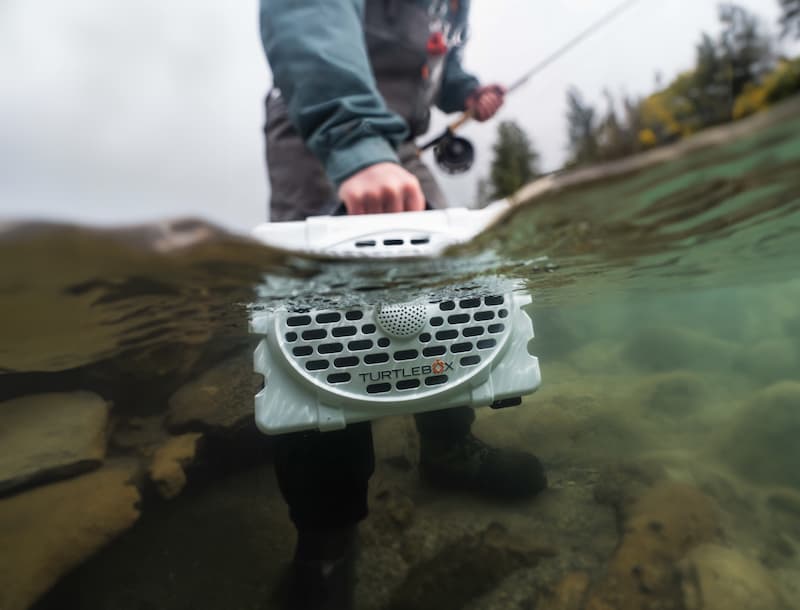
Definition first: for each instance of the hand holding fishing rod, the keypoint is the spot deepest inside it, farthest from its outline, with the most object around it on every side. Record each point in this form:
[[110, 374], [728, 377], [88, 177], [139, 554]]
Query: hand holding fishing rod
[[484, 102], [455, 154]]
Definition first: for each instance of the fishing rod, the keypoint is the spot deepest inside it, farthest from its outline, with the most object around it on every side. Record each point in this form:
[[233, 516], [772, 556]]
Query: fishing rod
[[455, 154]]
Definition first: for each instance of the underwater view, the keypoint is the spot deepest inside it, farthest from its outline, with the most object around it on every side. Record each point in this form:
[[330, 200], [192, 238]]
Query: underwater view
[[580, 393]]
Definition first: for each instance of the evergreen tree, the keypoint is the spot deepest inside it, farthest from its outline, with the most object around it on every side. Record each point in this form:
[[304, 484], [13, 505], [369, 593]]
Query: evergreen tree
[[610, 134], [633, 123], [710, 93], [618, 133], [745, 49], [583, 147], [790, 17], [515, 161]]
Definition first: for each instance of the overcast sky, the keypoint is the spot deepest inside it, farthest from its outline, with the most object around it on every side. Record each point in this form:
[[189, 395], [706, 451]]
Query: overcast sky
[[118, 111]]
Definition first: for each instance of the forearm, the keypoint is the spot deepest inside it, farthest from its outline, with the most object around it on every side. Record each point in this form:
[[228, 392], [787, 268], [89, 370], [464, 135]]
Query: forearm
[[319, 62]]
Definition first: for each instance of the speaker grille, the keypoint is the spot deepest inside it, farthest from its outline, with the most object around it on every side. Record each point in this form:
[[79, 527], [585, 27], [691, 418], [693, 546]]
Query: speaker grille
[[389, 352], [402, 320]]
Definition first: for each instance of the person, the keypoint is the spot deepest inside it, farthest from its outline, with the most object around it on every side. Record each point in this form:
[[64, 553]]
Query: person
[[354, 83]]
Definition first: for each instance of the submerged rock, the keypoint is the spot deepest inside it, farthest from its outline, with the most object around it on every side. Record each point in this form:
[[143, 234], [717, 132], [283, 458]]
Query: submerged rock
[[465, 570], [717, 578], [50, 436], [762, 444], [394, 508], [220, 398], [659, 527], [54, 528], [771, 361], [568, 594], [595, 358], [167, 467], [666, 349], [140, 434], [619, 485], [674, 394], [785, 500]]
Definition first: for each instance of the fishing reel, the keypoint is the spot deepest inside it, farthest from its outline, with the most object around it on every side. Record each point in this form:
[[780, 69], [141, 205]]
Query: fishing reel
[[453, 154]]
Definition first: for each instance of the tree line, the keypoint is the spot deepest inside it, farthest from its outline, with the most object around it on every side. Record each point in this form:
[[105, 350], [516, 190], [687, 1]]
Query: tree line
[[737, 73]]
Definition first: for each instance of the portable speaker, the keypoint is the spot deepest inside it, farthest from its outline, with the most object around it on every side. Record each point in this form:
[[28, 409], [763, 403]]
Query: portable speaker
[[325, 368]]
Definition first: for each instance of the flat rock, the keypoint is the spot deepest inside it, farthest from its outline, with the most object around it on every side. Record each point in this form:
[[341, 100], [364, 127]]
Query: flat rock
[[169, 461], [717, 578], [50, 436], [49, 530], [220, 398]]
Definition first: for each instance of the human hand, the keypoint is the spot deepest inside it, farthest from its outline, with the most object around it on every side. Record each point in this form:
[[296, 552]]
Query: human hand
[[382, 188], [484, 102]]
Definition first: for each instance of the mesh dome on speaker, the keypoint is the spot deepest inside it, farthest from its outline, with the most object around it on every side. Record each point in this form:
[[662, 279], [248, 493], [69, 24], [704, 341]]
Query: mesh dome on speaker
[[402, 320]]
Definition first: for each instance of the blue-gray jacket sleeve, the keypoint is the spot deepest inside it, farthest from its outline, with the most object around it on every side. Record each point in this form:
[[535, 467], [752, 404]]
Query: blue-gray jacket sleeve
[[319, 62], [457, 83]]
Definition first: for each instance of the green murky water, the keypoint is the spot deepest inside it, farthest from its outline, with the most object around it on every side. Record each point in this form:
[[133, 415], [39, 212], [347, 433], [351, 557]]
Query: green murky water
[[668, 330]]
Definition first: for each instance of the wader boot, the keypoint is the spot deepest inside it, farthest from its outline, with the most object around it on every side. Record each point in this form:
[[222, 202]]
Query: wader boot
[[322, 574], [451, 457]]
